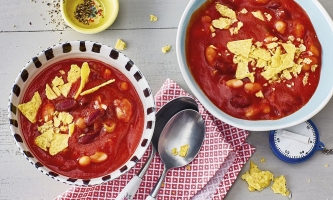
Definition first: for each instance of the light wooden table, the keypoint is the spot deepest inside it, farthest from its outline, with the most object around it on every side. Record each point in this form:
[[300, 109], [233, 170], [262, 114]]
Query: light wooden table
[[26, 28]]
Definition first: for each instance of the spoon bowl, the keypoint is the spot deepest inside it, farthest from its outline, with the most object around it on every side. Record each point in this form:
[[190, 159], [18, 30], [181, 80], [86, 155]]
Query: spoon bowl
[[164, 114], [185, 128]]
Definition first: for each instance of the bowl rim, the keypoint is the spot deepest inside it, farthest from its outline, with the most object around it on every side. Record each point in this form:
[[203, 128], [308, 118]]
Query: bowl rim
[[134, 74], [260, 125], [97, 29]]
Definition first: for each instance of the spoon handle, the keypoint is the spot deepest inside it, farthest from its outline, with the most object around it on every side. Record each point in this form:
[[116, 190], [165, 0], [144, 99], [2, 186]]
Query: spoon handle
[[133, 185], [130, 189], [154, 191]]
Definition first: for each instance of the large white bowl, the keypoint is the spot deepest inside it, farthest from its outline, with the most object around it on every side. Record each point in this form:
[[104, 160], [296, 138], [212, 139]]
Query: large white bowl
[[86, 50], [324, 28]]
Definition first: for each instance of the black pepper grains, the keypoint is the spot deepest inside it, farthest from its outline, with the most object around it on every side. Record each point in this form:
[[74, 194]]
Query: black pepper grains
[[87, 11]]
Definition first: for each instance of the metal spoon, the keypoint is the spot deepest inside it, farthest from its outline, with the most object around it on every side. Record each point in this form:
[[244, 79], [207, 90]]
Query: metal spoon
[[186, 128], [162, 117]]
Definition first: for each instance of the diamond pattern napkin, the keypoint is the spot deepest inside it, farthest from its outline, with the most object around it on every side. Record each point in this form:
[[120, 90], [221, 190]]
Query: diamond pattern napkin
[[209, 176]]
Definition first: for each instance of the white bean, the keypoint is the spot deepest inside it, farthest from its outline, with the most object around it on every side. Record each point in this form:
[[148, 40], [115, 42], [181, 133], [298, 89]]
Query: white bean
[[210, 54], [84, 161], [252, 87], [234, 83], [98, 157]]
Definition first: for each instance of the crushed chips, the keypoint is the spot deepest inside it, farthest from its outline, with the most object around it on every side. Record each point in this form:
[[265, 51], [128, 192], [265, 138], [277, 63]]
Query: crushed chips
[[153, 18], [279, 186], [258, 15], [166, 49], [183, 150], [120, 45], [174, 151], [257, 179], [225, 11], [51, 138]]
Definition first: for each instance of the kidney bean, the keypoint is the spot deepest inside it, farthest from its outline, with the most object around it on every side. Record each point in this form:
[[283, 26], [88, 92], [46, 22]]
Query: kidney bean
[[240, 101], [65, 104], [93, 116], [225, 67], [85, 139]]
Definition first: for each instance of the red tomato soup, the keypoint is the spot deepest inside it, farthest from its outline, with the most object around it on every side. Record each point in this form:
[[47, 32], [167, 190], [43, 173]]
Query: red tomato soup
[[83, 133], [254, 59]]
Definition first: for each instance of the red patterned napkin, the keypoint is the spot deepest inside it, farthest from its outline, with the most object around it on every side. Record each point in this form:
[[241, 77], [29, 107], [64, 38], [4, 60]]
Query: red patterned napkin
[[210, 175]]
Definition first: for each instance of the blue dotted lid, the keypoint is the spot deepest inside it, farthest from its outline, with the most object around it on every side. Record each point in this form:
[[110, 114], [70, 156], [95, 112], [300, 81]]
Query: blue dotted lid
[[295, 144]]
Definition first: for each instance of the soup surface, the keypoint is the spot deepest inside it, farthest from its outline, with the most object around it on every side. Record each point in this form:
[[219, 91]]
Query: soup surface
[[255, 59], [84, 118]]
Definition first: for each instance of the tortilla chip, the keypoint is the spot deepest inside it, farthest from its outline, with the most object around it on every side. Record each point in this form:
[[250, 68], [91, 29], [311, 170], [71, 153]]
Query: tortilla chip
[[240, 47], [65, 88], [97, 87], [257, 179], [43, 141], [73, 74], [85, 71], [30, 109], [50, 94], [59, 143]]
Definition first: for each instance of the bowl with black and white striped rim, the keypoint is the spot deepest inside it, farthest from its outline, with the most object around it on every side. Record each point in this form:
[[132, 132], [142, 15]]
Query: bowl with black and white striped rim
[[81, 50]]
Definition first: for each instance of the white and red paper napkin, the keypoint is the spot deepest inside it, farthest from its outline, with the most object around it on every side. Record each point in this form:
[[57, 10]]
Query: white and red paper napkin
[[209, 176]]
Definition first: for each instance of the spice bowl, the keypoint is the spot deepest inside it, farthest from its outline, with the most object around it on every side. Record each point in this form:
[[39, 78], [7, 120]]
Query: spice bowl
[[89, 16]]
